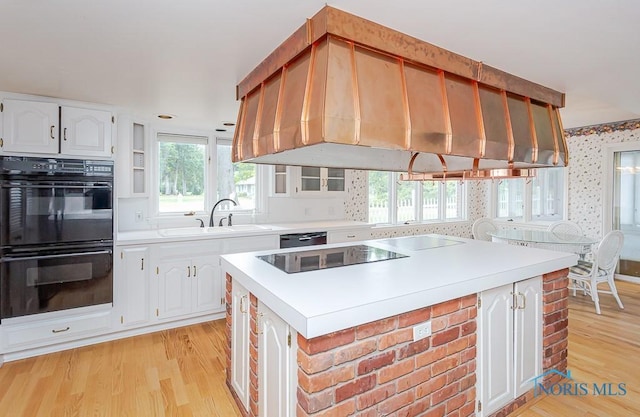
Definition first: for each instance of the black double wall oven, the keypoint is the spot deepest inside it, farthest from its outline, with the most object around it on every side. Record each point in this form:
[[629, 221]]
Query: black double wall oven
[[56, 234]]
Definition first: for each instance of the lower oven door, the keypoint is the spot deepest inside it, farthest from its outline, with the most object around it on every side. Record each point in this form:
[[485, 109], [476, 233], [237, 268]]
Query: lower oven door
[[43, 281]]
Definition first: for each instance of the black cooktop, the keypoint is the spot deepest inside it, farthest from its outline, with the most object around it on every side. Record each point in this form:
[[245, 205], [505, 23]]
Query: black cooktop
[[314, 259]]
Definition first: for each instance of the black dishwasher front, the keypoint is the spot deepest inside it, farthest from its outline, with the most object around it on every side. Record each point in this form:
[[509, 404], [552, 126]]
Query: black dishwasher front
[[294, 240]]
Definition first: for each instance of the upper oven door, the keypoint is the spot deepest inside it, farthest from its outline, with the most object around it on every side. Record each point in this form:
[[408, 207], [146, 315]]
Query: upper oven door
[[41, 211]]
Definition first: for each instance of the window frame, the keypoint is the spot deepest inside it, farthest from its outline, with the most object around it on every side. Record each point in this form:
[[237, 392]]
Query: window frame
[[418, 203], [261, 187], [208, 180], [527, 210]]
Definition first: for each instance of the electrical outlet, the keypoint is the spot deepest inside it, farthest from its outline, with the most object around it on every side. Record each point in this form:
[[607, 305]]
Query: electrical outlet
[[422, 330], [138, 216]]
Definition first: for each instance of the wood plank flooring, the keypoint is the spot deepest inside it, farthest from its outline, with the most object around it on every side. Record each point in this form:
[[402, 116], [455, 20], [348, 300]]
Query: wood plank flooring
[[180, 372]]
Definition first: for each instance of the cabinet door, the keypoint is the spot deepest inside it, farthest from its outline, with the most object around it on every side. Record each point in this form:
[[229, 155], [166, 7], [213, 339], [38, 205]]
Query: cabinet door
[[496, 346], [30, 127], [132, 286], [311, 179], [274, 365], [240, 342], [207, 284], [85, 132], [528, 333], [174, 288]]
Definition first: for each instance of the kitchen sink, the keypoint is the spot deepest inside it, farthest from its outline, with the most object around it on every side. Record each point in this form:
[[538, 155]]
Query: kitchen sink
[[199, 231], [192, 231]]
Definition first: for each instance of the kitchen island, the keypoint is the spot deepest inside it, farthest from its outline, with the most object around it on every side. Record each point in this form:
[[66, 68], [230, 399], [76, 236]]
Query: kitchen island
[[402, 334]]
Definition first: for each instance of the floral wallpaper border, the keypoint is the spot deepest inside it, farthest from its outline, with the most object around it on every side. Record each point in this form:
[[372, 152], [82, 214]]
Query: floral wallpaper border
[[603, 128]]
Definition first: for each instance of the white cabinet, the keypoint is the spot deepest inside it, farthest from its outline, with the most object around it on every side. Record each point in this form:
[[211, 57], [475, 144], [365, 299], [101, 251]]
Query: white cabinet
[[47, 128], [132, 158], [349, 235], [277, 377], [30, 126], [131, 292], [51, 328], [85, 132], [240, 342], [188, 286], [510, 342], [315, 179]]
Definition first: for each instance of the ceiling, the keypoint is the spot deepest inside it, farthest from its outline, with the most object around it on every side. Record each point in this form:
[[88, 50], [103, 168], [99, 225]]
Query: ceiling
[[186, 57]]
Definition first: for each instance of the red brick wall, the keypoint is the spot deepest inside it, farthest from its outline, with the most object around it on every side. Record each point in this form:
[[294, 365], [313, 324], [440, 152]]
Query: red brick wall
[[555, 311], [377, 369]]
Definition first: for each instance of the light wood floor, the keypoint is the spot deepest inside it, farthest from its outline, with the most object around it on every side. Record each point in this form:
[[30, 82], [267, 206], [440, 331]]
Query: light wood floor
[[180, 372]]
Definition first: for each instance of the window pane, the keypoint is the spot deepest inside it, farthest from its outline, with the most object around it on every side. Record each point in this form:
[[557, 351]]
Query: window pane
[[181, 168], [454, 194], [547, 194], [430, 200], [379, 185], [406, 201], [510, 198], [235, 180]]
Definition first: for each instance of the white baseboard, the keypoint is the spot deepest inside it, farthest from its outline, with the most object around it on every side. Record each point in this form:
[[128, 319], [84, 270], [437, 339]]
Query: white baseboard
[[628, 278]]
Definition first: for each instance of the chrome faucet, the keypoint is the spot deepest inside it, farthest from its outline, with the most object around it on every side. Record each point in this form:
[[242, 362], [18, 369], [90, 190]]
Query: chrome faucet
[[211, 222]]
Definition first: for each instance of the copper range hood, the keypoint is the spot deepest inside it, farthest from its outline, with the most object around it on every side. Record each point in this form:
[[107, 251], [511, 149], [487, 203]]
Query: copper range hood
[[344, 92]]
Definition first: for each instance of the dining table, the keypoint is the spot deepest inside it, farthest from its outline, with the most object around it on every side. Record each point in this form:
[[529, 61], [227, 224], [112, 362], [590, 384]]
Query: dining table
[[544, 239]]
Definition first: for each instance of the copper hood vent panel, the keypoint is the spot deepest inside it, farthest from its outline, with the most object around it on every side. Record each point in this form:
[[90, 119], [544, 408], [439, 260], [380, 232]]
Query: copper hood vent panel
[[344, 92]]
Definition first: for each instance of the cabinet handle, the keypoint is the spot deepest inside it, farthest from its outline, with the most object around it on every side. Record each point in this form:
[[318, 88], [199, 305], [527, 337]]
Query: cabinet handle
[[142, 264], [194, 271], [61, 330], [64, 134], [243, 309], [51, 132], [524, 301], [188, 271], [350, 236], [514, 301]]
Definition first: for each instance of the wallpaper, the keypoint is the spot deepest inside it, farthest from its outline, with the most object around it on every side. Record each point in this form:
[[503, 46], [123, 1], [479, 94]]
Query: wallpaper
[[586, 173]]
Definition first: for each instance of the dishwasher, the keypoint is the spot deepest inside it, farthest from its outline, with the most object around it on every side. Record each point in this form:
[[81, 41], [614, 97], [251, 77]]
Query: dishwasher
[[295, 240]]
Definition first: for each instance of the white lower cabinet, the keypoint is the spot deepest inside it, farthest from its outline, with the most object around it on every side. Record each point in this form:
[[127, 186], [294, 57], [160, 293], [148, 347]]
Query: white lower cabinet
[[277, 370], [349, 235], [131, 289], [188, 284], [240, 342], [509, 342], [50, 328]]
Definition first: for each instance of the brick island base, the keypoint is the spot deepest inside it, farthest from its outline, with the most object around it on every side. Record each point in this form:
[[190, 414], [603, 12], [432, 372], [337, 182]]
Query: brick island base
[[376, 369]]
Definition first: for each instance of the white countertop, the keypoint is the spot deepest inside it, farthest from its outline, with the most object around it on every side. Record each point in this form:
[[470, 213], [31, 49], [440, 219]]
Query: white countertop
[[320, 302], [158, 236]]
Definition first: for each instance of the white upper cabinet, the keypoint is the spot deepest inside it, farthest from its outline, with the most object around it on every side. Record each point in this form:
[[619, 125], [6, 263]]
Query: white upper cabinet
[[85, 132], [33, 127], [30, 126]]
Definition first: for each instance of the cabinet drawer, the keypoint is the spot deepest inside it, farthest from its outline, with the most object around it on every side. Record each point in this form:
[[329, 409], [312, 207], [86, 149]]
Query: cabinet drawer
[[348, 235], [249, 244], [54, 331]]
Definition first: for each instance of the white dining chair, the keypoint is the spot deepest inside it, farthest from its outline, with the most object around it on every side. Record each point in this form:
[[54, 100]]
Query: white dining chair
[[565, 227], [480, 228], [586, 276]]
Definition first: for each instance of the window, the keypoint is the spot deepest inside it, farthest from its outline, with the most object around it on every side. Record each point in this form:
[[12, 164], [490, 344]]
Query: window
[[393, 201], [181, 173], [235, 180], [526, 199]]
